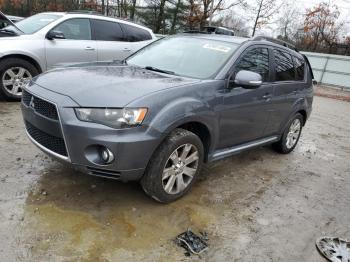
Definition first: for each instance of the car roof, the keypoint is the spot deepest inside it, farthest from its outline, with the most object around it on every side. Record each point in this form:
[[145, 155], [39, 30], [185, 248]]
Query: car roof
[[97, 16], [224, 38], [241, 40]]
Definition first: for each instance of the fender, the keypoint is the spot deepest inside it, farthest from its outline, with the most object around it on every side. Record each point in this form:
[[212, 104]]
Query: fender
[[36, 59], [186, 110]]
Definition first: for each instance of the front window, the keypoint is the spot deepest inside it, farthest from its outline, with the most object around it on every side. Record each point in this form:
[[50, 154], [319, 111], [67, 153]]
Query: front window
[[34, 23], [185, 56], [76, 29], [255, 60]]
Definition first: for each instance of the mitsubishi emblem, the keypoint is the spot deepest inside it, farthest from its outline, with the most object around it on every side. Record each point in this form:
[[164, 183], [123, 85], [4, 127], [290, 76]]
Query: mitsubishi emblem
[[31, 104]]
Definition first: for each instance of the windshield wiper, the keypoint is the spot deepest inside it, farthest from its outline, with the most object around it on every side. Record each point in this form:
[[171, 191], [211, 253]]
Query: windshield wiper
[[159, 70], [8, 31]]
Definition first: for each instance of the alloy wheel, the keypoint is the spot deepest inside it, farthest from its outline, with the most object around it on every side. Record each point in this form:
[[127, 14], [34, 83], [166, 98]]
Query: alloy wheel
[[14, 79], [293, 133], [180, 169]]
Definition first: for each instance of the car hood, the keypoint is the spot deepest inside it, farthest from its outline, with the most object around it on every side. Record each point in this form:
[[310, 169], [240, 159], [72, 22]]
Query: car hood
[[9, 22], [107, 85]]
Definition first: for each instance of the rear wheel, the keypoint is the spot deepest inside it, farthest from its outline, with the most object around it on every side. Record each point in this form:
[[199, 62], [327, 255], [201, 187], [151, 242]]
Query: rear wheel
[[291, 135], [15, 73], [174, 166]]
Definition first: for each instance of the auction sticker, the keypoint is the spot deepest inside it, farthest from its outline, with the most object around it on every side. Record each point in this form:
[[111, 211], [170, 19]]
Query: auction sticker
[[219, 48]]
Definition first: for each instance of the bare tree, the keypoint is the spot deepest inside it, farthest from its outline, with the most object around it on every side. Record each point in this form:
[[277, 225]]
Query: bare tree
[[234, 21], [263, 11], [289, 22]]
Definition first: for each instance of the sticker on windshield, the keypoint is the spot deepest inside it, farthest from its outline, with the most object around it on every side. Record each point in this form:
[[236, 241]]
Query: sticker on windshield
[[219, 48], [46, 19]]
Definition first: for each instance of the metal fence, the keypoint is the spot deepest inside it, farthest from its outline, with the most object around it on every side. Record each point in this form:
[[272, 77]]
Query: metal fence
[[330, 69]]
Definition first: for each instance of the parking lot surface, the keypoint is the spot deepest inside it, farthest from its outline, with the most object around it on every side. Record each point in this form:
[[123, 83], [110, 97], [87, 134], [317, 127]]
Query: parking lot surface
[[256, 206]]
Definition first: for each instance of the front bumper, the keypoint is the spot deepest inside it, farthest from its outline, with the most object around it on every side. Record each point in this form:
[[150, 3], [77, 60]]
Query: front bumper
[[132, 147]]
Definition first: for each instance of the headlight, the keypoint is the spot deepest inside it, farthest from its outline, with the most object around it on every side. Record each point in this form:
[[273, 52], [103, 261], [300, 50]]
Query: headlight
[[116, 118]]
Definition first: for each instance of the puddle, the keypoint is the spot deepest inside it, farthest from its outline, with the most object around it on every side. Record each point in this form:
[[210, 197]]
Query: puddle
[[77, 215], [96, 217]]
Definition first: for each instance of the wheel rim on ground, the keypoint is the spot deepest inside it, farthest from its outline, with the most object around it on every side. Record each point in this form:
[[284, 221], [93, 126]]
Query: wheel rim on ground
[[180, 169], [293, 133], [14, 79]]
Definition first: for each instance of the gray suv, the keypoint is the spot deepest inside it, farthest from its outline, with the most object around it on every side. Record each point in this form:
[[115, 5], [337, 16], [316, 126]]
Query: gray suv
[[158, 115], [48, 40]]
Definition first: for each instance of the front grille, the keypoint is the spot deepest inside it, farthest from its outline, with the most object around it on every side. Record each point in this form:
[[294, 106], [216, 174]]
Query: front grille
[[39, 105], [55, 144]]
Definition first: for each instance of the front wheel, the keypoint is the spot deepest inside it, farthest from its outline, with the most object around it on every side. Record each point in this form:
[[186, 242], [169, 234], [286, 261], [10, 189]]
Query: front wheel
[[174, 166], [291, 135], [15, 73]]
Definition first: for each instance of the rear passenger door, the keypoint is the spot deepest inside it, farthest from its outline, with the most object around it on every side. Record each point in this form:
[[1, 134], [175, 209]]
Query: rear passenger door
[[110, 40], [288, 84]]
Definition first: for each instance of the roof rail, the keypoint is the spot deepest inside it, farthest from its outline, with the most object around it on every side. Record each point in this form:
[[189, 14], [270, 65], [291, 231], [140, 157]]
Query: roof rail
[[276, 41], [195, 32], [85, 12]]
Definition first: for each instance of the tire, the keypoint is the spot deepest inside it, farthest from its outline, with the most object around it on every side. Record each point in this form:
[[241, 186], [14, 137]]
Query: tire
[[283, 146], [157, 182], [19, 67]]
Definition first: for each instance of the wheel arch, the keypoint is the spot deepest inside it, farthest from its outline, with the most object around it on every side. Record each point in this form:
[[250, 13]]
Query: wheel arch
[[304, 114], [199, 128], [24, 57]]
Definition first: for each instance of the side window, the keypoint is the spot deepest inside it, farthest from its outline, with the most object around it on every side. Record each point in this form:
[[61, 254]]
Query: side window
[[255, 60], [107, 31], [135, 34], [76, 29], [300, 69], [284, 66]]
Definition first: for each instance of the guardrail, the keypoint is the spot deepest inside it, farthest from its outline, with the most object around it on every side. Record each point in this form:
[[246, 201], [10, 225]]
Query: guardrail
[[330, 69]]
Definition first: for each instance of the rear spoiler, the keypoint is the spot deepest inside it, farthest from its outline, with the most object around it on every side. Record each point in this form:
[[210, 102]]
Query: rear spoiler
[[310, 68]]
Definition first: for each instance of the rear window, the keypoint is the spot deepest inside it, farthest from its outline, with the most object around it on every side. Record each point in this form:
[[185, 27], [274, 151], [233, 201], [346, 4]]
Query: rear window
[[135, 34], [300, 69], [107, 31], [284, 66]]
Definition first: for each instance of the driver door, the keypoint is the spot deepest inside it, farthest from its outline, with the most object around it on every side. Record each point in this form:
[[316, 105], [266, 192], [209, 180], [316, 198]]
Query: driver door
[[77, 46], [246, 111]]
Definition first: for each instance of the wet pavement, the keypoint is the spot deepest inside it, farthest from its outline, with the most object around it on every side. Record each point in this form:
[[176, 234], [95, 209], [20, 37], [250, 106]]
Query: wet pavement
[[256, 206]]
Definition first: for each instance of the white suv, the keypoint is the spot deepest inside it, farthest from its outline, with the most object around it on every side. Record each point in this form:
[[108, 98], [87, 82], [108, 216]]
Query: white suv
[[47, 40]]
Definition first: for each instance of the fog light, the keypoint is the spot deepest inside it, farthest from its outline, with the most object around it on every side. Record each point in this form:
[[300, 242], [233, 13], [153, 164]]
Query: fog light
[[107, 156], [99, 155]]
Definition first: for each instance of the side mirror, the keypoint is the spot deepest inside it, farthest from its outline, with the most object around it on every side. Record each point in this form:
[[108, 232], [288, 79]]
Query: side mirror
[[248, 79], [55, 35]]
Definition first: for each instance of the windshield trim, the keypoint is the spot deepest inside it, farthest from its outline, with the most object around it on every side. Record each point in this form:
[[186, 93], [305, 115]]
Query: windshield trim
[[211, 77]]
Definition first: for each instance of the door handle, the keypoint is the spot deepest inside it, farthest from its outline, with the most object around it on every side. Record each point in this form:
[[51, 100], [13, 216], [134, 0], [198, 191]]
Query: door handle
[[89, 48], [126, 50]]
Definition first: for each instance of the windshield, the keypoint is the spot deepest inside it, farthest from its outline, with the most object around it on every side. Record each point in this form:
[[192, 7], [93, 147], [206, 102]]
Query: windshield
[[34, 23], [185, 56]]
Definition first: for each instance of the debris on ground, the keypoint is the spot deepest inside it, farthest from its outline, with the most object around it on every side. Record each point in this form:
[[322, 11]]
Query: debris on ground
[[192, 243], [334, 249]]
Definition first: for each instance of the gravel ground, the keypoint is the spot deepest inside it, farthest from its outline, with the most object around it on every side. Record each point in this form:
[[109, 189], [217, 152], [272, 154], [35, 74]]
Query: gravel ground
[[256, 206]]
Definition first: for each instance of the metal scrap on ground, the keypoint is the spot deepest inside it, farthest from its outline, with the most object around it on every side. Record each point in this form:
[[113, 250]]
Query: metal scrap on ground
[[334, 249], [192, 243]]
